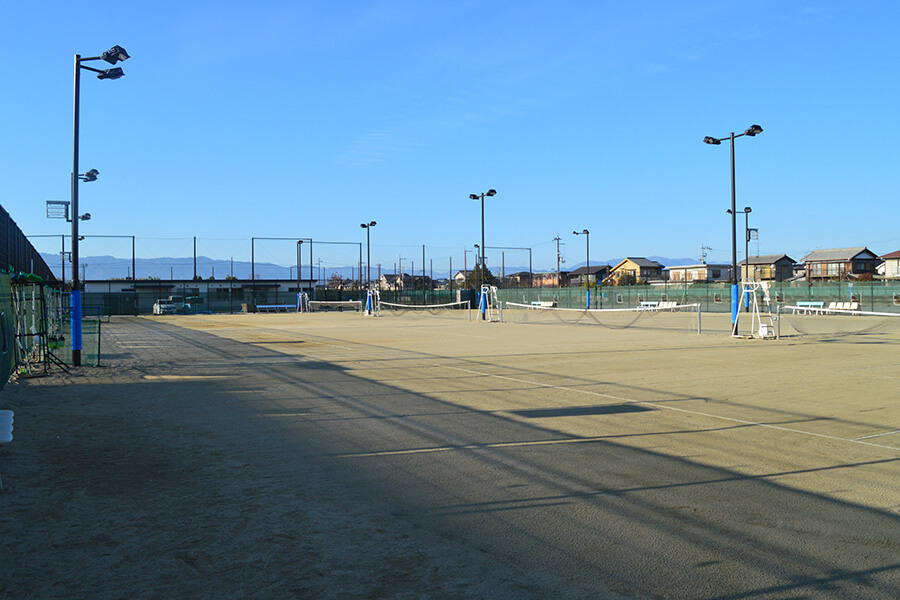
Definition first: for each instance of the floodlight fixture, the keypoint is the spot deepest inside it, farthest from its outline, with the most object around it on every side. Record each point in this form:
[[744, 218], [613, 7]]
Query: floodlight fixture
[[711, 140], [114, 55], [474, 196], [85, 217], [113, 73], [753, 130], [491, 192], [90, 175]]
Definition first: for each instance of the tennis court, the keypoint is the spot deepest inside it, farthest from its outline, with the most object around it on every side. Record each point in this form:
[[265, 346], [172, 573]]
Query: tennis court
[[757, 406], [818, 414], [552, 459]]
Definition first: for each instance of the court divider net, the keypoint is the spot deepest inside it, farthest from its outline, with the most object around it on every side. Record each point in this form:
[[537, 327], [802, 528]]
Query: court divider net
[[666, 315]]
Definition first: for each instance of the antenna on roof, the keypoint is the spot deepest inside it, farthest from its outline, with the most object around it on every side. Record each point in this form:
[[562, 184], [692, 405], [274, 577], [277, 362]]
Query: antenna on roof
[[703, 250]]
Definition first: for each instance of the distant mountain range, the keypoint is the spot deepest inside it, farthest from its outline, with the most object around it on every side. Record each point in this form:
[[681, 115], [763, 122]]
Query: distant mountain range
[[109, 267]]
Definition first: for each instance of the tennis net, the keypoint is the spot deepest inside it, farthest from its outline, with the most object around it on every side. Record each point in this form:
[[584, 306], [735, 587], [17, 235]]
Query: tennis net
[[832, 321], [449, 309], [666, 315], [338, 305]]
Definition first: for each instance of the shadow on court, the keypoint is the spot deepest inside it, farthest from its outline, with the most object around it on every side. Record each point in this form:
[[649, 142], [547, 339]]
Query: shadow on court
[[288, 476]]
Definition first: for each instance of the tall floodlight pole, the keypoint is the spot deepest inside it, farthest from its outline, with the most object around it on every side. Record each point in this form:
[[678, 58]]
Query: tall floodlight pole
[[587, 272], [112, 56], [735, 294], [490, 192], [367, 227]]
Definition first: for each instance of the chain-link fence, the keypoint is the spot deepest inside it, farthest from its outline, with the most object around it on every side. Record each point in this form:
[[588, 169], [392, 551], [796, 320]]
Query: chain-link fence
[[881, 296]]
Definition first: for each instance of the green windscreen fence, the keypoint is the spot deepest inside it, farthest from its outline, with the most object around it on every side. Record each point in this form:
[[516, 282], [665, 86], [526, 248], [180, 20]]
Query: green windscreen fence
[[880, 296], [7, 330], [876, 296]]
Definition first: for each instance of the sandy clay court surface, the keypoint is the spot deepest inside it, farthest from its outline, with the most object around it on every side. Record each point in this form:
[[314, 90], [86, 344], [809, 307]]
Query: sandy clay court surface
[[339, 456]]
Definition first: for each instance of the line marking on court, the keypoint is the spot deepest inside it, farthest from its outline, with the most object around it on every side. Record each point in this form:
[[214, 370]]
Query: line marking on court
[[472, 447], [868, 437], [674, 408], [188, 377]]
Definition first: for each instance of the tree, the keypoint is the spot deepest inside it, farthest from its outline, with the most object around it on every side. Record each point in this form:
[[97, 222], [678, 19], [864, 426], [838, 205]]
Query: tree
[[478, 276], [627, 278], [335, 282]]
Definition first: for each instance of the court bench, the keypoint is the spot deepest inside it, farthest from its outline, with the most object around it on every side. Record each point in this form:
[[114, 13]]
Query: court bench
[[276, 308], [854, 306], [808, 307]]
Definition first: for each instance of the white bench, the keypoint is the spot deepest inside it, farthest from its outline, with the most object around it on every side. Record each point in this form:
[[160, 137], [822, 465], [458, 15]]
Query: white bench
[[850, 306], [276, 307], [6, 427], [543, 303], [809, 307]]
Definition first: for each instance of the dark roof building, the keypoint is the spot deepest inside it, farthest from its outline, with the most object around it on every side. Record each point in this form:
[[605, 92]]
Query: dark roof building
[[840, 263]]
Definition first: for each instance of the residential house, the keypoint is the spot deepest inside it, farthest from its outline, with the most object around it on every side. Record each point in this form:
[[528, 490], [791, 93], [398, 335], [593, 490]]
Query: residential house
[[394, 282], [462, 276], [891, 265], [520, 279], [638, 268], [420, 282], [592, 274], [551, 279], [699, 273], [769, 267], [840, 263]]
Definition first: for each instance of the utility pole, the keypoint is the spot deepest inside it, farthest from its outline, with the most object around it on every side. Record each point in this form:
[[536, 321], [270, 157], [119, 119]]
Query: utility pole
[[558, 258]]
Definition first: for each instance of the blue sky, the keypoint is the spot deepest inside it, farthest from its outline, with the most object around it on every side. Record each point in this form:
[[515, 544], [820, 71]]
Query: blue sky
[[305, 119]]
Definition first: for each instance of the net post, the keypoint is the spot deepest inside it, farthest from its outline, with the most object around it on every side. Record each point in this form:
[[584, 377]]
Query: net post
[[699, 320], [778, 322]]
